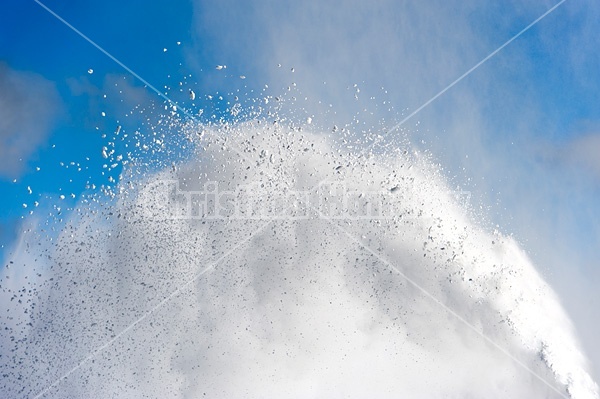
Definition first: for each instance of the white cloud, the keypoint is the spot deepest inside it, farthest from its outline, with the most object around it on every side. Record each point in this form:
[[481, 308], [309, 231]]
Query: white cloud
[[29, 106]]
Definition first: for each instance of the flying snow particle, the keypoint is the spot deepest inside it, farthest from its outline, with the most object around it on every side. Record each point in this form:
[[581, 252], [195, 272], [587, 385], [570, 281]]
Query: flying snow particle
[[90, 71], [192, 95], [219, 67]]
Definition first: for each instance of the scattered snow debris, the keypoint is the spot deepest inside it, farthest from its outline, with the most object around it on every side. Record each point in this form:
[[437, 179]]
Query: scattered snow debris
[[242, 77], [178, 43], [29, 190], [278, 65], [90, 71], [266, 100], [62, 196], [192, 95], [292, 69], [103, 113], [118, 129], [236, 109], [122, 248], [165, 50], [37, 168], [36, 204], [219, 67]]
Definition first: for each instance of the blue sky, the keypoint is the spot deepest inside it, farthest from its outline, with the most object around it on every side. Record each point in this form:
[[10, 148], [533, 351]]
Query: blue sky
[[35, 47], [521, 132]]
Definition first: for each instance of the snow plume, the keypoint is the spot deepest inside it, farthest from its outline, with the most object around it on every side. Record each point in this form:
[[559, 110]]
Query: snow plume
[[280, 262]]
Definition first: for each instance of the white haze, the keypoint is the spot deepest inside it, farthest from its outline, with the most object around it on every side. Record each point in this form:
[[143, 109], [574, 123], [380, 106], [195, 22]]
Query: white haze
[[508, 132]]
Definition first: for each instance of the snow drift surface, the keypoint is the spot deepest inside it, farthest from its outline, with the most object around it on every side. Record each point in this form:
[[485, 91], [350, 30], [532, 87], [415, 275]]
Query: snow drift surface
[[275, 263]]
